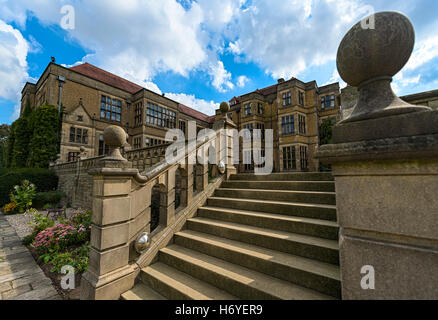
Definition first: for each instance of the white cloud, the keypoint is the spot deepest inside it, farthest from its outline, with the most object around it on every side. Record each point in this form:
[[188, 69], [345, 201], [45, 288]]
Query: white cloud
[[13, 64], [242, 81], [221, 77], [424, 51], [286, 37], [207, 107], [34, 45], [137, 39], [336, 78]]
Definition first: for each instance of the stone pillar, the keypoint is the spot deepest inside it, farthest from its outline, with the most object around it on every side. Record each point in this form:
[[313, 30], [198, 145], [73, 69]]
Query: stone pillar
[[201, 177], [385, 164], [190, 169], [226, 140], [167, 197], [109, 273]]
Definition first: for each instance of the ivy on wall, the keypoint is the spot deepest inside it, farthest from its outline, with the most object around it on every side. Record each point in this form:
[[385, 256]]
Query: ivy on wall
[[34, 138]]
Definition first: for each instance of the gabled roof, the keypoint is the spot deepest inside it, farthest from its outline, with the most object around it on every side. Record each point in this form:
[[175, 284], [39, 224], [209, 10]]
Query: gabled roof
[[196, 114], [96, 73], [106, 77]]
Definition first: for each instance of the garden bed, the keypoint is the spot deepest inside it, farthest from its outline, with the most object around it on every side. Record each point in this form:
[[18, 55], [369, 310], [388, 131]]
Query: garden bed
[[57, 243], [56, 278]]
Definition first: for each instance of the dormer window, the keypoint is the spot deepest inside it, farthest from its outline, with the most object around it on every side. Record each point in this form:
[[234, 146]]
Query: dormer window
[[80, 118]]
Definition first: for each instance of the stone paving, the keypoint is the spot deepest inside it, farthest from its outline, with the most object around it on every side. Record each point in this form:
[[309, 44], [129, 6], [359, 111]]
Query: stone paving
[[20, 277]]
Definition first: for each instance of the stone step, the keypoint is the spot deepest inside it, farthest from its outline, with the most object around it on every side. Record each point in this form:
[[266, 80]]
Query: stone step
[[324, 250], [278, 195], [176, 285], [141, 292], [242, 282], [324, 186], [312, 274], [312, 227], [285, 176], [307, 210]]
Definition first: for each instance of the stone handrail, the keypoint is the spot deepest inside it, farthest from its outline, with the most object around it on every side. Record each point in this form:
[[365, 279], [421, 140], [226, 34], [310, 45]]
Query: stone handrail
[[122, 206]]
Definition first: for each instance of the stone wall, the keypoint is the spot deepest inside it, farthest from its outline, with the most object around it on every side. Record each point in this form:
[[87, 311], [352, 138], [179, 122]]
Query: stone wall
[[75, 181]]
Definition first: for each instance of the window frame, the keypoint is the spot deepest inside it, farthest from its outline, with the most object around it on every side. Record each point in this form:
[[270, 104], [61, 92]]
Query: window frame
[[287, 98], [289, 158], [78, 135], [288, 121], [110, 108]]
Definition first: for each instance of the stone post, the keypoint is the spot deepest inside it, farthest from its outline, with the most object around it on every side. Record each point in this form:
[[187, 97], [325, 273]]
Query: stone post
[[167, 199], [385, 164], [226, 141], [109, 273], [201, 177]]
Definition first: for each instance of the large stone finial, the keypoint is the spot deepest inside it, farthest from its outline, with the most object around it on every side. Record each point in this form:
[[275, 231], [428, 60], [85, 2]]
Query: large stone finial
[[224, 107], [115, 137], [368, 58]]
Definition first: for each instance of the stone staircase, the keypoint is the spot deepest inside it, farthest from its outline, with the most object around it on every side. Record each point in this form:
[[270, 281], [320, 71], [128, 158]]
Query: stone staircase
[[257, 237]]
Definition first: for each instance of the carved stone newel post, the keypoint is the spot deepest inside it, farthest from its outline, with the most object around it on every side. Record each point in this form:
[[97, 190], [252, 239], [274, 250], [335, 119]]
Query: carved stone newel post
[[109, 273], [385, 163]]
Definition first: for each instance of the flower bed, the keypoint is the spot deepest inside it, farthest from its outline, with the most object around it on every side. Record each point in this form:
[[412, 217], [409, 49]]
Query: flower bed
[[55, 244]]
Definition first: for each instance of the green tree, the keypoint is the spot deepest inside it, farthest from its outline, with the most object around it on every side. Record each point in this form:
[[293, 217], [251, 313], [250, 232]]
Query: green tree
[[44, 141], [22, 135], [325, 132], [325, 137], [10, 146], [4, 133]]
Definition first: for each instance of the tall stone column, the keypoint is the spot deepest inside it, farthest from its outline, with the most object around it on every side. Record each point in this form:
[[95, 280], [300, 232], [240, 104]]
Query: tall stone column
[[109, 273], [385, 164]]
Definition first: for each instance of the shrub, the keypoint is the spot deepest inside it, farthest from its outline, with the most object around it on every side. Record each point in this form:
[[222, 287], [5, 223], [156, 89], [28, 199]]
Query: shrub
[[41, 223], [52, 198], [77, 258], [44, 180], [23, 134], [10, 208], [82, 218], [44, 143], [56, 238], [23, 196]]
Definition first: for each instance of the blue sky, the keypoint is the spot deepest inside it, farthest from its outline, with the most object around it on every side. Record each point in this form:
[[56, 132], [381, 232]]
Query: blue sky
[[200, 52]]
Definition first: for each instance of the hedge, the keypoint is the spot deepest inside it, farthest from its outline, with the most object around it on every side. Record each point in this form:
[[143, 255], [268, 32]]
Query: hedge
[[44, 180], [51, 197]]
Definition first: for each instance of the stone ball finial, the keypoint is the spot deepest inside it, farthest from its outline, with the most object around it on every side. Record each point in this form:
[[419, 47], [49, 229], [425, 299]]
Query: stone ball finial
[[367, 53], [115, 137], [224, 107], [369, 56]]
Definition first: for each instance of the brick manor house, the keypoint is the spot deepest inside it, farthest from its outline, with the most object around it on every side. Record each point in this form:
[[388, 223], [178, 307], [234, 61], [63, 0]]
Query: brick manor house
[[93, 98]]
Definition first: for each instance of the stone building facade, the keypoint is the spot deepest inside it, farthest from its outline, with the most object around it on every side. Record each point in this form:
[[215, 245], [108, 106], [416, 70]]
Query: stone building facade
[[293, 110], [92, 99]]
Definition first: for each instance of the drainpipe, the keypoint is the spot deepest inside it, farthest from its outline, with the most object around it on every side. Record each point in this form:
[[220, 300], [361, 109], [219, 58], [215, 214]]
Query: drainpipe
[[61, 80]]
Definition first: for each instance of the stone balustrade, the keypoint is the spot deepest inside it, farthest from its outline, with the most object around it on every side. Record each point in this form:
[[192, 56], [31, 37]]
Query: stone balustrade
[[122, 199]]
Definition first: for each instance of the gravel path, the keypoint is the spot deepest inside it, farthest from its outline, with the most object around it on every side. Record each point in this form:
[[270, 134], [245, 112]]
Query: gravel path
[[20, 222]]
